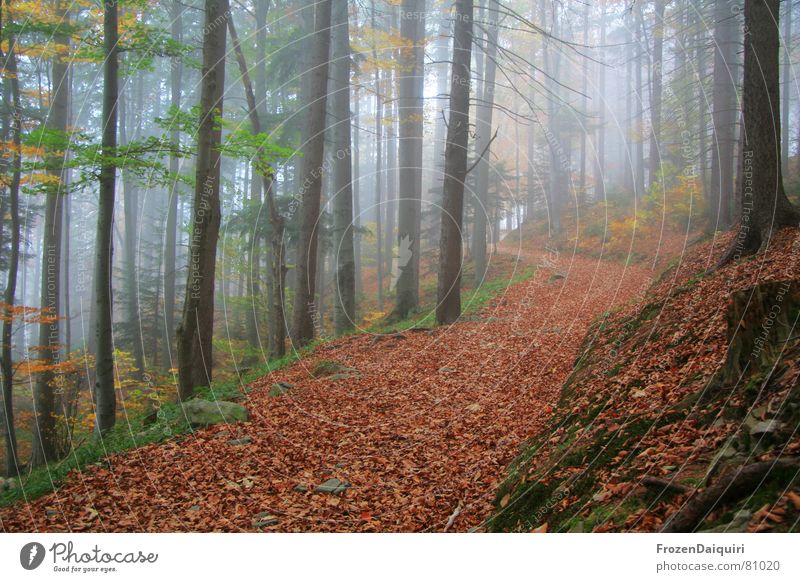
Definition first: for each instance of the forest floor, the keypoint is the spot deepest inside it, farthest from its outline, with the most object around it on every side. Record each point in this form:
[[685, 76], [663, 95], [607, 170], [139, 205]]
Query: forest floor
[[420, 427]]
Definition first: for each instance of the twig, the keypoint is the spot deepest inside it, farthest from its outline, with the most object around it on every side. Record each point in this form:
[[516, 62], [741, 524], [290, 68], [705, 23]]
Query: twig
[[483, 153], [453, 516]]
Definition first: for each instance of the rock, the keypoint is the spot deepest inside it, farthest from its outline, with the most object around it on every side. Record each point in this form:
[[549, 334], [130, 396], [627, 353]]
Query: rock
[[300, 488], [737, 525], [446, 370], [246, 440], [279, 389], [350, 373], [194, 508], [326, 368], [765, 427], [264, 519], [557, 277], [473, 408], [204, 413], [333, 486]]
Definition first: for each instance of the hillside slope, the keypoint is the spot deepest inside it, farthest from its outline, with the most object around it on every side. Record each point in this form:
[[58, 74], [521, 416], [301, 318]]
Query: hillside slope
[[682, 411], [416, 429]]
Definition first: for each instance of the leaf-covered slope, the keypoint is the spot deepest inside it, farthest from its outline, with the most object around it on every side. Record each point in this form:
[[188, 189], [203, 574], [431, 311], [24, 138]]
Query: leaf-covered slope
[[651, 416]]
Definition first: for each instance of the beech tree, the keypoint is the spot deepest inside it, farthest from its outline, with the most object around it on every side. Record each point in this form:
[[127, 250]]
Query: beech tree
[[448, 307], [195, 332], [764, 205]]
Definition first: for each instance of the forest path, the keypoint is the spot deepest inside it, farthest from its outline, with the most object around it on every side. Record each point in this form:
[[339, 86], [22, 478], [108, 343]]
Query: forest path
[[426, 430]]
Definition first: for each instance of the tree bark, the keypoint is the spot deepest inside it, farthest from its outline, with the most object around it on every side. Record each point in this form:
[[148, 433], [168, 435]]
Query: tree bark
[[764, 205], [448, 308], [483, 126], [14, 123], [344, 260], [105, 393], [410, 118], [195, 332], [724, 115], [44, 447], [171, 229], [656, 94], [311, 188]]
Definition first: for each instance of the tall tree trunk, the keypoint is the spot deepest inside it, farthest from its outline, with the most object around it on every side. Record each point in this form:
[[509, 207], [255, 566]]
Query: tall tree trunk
[[356, 187], [410, 118], [483, 126], [311, 189], [344, 305], [787, 84], [765, 207], [448, 307], [105, 393], [378, 202], [171, 229], [45, 439], [584, 109], [14, 123], [600, 164], [195, 332], [655, 96], [130, 195], [724, 115], [638, 185]]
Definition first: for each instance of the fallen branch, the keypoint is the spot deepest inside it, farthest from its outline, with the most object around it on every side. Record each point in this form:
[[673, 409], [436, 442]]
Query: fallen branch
[[652, 481], [735, 483], [454, 516]]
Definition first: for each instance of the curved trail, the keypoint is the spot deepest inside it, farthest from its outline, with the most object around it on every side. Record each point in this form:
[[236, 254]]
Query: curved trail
[[427, 429]]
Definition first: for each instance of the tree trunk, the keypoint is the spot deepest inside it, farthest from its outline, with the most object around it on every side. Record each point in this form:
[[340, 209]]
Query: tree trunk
[[195, 332], [410, 118], [311, 188], [448, 308], [655, 96], [787, 84], [764, 205], [344, 305], [45, 439], [105, 393], [14, 120], [483, 127], [600, 166], [724, 114], [171, 229]]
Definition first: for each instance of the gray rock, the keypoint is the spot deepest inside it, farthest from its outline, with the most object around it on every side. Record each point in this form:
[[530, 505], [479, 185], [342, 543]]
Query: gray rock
[[242, 441], [264, 519], [300, 488], [446, 370], [737, 525], [204, 412], [333, 486], [765, 427], [279, 389]]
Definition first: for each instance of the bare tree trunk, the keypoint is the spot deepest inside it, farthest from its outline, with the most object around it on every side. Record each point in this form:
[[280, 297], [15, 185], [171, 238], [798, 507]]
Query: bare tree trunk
[[483, 126], [344, 305], [724, 115], [356, 187], [787, 84], [105, 393], [655, 97], [410, 117], [195, 332], [765, 207], [45, 439], [13, 122], [600, 166], [448, 308], [302, 315], [378, 165], [171, 229], [130, 197]]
